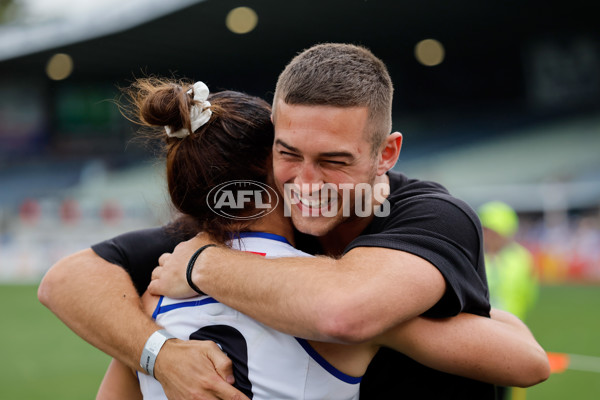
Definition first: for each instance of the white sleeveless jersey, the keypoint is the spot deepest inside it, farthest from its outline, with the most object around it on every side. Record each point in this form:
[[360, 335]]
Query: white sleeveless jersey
[[267, 364]]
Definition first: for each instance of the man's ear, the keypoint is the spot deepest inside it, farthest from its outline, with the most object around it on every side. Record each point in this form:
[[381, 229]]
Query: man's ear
[[389, 153]]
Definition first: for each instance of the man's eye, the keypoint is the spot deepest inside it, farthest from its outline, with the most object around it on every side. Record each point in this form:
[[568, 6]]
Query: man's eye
[[334, 162], [287, 154]]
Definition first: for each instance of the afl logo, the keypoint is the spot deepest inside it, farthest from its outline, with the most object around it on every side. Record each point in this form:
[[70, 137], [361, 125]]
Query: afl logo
[[229, 198]]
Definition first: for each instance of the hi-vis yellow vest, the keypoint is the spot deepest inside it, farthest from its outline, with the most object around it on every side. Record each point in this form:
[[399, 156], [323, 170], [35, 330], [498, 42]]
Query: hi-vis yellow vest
[[512, 280]]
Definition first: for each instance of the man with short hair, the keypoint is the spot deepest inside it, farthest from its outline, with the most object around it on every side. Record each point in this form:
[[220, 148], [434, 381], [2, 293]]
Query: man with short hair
[[417, 250]]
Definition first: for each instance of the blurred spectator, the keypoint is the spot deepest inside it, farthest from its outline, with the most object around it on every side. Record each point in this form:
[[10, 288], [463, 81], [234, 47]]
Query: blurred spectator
[[111, 212], [30, 211], [70, 212], [510, 267]]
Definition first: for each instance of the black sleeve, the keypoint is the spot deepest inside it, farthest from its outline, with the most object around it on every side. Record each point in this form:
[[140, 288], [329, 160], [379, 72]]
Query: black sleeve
[[138, 251], [445, 232]]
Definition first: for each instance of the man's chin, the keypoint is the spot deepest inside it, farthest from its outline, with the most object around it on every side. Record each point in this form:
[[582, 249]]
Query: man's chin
[[314, 226]]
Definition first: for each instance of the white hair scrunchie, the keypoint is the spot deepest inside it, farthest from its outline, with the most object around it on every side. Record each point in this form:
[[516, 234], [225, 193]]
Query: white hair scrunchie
[[199, 113]]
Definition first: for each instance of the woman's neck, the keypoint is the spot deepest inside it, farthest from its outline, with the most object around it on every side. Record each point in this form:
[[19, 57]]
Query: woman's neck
[[274, 223]]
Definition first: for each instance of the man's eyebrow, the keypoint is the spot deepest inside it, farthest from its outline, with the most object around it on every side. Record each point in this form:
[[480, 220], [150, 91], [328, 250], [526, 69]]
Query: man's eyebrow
[[344, 154], [287, 146]]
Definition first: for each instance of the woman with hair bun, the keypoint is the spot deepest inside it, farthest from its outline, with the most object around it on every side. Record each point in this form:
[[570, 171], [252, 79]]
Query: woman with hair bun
[[232, 139], [227, 136]]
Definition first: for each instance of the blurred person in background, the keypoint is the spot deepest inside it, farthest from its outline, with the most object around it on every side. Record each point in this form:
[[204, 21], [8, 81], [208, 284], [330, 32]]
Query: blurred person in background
[[510, 268]]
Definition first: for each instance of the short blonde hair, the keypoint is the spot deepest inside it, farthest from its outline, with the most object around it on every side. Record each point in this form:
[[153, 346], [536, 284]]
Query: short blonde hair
[[341, 75]]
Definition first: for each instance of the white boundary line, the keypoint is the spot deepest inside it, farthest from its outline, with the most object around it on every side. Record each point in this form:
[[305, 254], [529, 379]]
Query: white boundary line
[[581, 362]]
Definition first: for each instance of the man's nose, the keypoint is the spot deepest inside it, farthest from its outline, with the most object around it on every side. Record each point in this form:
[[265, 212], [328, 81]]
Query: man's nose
[[309, 178]]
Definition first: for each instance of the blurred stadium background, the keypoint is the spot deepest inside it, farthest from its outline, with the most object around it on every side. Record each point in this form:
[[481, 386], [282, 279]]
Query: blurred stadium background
[[497, 100]]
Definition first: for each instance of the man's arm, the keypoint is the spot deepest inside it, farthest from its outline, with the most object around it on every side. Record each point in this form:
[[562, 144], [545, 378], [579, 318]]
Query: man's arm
[[351, 299], [98, 301], [500, 350], [119, 382]]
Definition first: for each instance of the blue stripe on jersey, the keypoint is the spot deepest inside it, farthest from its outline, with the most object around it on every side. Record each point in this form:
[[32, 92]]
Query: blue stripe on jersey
[[156, 310], [325, 364], [170, 307], [264, 235]]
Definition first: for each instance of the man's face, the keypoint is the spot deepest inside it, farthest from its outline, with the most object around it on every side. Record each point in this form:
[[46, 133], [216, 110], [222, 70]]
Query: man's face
[[320, 154]]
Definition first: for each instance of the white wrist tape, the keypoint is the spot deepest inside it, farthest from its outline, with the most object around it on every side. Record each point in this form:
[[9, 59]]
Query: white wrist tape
[[151, 348]]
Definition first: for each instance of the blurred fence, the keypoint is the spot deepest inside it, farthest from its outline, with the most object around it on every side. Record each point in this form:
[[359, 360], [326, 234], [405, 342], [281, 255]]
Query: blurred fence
[[567, 250], [39, 232], [36, 231], [42, 232]]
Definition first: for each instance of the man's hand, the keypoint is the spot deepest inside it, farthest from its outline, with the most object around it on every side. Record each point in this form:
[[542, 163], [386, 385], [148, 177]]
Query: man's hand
[[195, 369], [168, 279]]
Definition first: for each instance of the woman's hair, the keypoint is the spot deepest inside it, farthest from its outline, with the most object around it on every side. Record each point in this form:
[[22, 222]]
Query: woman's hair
[[235, 144]]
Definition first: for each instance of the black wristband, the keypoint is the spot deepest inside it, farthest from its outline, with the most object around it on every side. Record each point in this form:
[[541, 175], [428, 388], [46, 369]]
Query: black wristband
[[190, 268]]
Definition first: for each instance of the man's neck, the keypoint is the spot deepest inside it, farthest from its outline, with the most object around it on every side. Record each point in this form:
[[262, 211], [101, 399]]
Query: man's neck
[[334, 242]]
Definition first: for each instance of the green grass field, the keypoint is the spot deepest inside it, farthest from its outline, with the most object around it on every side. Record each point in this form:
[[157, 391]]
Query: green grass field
[[567, 320], [42, 359]]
